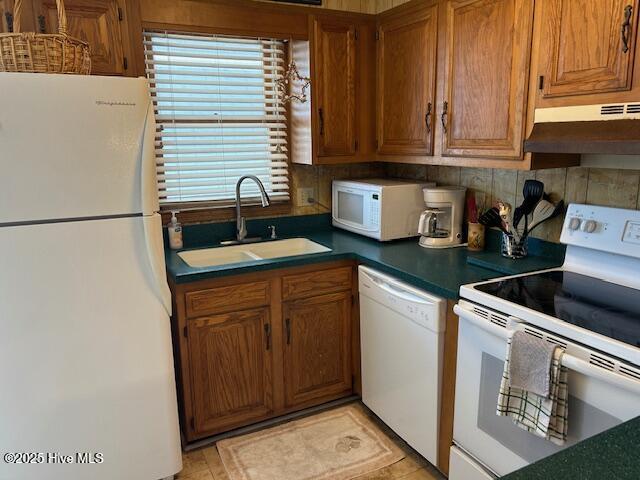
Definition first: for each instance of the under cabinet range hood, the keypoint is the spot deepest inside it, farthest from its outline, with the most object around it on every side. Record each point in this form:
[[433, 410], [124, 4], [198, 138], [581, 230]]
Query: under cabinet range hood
[[609, 128]]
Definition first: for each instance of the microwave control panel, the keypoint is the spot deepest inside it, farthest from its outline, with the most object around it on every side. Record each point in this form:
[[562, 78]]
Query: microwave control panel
[[374, 208]]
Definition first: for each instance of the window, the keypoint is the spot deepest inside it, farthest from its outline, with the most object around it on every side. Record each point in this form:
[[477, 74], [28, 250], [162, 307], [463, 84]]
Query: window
[[218, 116]]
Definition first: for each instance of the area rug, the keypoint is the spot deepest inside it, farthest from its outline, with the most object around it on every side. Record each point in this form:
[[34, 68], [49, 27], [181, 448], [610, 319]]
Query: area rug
[[339, 445]]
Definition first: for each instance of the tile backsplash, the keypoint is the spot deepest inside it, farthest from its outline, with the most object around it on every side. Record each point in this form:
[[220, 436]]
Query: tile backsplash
[[598, 186], [319, 179]]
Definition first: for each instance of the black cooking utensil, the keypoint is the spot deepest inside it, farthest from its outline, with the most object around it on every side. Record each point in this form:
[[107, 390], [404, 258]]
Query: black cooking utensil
[[532, 192], [492, 218]]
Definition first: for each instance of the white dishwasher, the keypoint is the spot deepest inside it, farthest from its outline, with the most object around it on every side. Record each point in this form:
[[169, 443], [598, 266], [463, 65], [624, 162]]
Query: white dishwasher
[[402, 335]]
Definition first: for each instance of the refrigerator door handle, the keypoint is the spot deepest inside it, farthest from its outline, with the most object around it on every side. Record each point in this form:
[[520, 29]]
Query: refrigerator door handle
[[155, 254], [150, 203]]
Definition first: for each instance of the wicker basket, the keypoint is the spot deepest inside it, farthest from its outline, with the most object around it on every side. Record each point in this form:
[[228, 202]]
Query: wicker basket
[[43, 53]]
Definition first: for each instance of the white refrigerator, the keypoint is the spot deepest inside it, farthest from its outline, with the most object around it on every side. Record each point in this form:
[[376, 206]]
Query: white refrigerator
[[87, 387]]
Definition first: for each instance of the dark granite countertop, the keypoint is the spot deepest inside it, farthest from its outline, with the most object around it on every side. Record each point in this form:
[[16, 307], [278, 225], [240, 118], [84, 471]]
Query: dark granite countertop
[[439, 271], [612, 454]]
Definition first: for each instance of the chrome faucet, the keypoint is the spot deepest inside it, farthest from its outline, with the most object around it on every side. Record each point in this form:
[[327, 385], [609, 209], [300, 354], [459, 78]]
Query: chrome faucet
[[241, 226]]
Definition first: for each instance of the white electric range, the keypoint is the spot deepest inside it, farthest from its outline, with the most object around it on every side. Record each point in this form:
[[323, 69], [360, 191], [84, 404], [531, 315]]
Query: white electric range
[[590, 306]]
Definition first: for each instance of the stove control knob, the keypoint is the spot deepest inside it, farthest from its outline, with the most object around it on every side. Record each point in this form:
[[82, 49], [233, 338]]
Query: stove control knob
[[574, 223], [589, 226]]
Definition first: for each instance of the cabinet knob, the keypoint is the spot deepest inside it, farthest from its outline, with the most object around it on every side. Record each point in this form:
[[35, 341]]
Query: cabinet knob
[[42, 25]]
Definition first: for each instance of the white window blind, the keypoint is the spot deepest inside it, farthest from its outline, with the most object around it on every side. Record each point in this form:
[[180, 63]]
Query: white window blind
[[218, 116]]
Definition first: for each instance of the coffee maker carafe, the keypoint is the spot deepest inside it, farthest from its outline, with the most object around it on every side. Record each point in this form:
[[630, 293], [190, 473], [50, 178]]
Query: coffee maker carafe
[[441, 223]]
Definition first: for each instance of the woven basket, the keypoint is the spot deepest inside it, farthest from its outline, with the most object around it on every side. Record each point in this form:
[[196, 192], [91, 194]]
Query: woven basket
[[43, 53]]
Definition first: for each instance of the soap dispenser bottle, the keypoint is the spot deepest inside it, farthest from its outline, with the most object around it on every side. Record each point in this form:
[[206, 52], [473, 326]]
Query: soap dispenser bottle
[[175, 232]]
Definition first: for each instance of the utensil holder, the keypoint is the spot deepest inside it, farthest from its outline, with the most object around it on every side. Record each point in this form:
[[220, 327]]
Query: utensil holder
[[475, 237], [513, 246]]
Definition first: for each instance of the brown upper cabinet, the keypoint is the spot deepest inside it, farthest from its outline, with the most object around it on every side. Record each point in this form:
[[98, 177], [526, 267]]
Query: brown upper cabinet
[[342, 90], [587, 46], [335, 87], [454, 82], [100, 23], [406, 76], [6, 16], [486, 71]]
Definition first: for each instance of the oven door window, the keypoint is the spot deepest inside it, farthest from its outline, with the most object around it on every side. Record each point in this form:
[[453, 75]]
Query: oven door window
[[351, 207]]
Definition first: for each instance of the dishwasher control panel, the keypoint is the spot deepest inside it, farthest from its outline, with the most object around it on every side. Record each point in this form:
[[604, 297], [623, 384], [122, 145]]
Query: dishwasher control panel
[[418, 313]]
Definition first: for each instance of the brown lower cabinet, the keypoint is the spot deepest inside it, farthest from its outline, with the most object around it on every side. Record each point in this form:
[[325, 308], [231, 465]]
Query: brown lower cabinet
[[255, 346], [317, 361], [232, 364]]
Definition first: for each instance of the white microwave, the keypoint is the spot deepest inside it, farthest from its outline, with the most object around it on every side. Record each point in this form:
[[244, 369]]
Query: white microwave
[[383, 209]]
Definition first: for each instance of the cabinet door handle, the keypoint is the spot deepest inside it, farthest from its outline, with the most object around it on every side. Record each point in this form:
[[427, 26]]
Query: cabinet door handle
[[427, 118], [267, 333], [626, 28], [9, 18], [321, 120], [287, 326], [42, 24], [443, 117]]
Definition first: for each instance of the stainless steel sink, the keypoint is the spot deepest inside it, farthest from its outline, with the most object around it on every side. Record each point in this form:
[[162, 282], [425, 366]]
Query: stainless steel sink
[[207, 257]]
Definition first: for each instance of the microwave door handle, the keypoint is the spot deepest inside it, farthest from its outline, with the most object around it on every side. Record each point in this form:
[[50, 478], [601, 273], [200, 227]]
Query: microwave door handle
[[571, 362], [354, 225]]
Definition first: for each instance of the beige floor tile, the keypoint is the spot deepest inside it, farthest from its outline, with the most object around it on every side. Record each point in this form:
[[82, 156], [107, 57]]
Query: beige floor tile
[[193, 462], [404, 467], [421, 474], [382, 474], [420, 460], [215, 463], [202, 475]]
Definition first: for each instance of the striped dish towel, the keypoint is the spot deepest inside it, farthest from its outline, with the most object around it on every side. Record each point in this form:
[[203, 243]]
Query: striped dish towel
[[545, 417]]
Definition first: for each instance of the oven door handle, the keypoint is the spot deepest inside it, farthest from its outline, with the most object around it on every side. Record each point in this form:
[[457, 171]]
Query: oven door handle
[[571, 362], [613, 378], [481, 322]]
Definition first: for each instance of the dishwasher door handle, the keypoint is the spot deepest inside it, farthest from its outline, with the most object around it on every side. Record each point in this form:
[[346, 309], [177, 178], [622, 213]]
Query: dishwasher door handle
[[397, 292]]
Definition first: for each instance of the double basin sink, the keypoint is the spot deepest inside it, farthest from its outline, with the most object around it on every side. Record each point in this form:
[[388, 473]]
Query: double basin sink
[[250, 252]]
